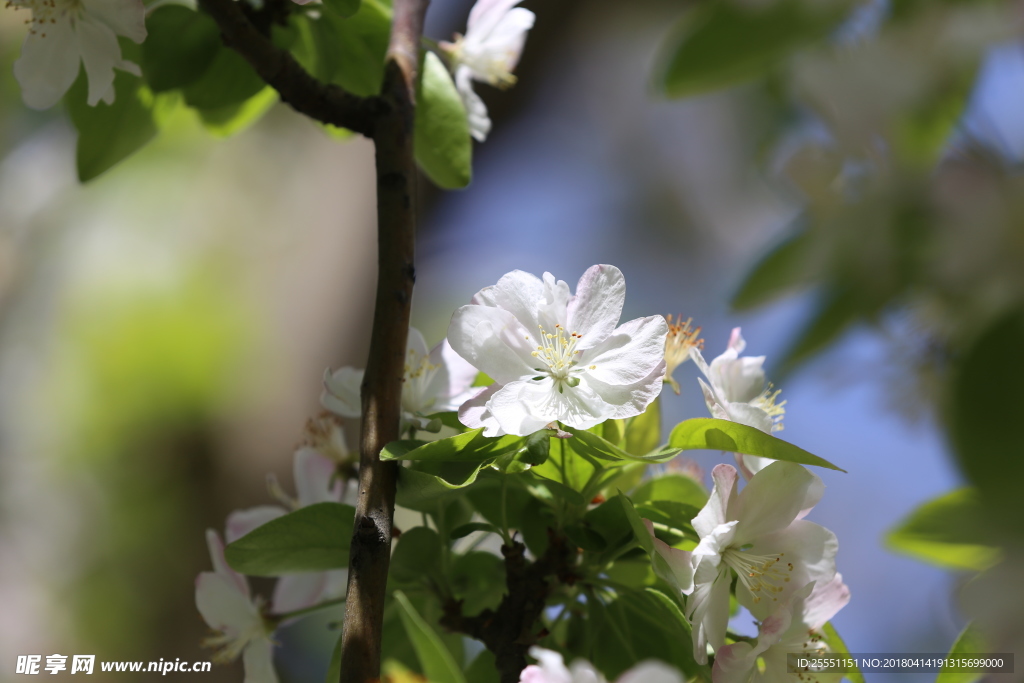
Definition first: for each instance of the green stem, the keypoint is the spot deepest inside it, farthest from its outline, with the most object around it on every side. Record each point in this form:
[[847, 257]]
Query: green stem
[[504, 511]]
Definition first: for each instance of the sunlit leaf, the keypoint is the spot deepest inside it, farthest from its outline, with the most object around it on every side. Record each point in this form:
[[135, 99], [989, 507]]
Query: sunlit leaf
[[311, 539], [435, 659], [723, 435], [444, 149]]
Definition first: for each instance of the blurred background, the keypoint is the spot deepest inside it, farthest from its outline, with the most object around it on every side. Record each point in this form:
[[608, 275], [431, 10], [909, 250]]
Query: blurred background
[[164, 328]]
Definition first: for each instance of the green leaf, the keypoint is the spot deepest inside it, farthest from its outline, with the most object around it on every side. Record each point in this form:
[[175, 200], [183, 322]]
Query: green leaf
[[466, 529], [643, 432], [585, 537], [637, 525], [344, 8], [723, 43], [550, 490], [986, 407], [677, 624], [417, 556], [424, 485], [969, 642], [777, 273], [483, 669], [311, 539], [362, 42], [108, 133], [674, 487], [836, 646], [229, 80], [472, 446], [723, 435], [435, 659], [444, 149], [610, 521], [234, 118], [594, 446], [477, 578], [180, 46], [949, 531]]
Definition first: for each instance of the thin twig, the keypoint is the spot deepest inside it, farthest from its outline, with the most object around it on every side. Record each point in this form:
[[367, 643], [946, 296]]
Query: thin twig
[[323, 102]]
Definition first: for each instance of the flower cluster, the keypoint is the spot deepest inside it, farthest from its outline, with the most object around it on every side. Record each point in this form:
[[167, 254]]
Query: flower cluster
[[558, 358], [245, 624]]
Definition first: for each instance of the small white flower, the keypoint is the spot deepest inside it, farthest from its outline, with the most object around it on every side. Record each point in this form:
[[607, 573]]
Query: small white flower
[[315, 482], [435, 381], [792, 628], [495, 35], [551, 669], [63, 34], [759, 535], [226, 606], [555, 356], [737, 392]]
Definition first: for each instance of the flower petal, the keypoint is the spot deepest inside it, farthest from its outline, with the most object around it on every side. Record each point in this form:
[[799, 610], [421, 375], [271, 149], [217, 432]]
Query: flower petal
[[48, 64], [452, 384], [650, 672], [808, 547], [220, 565], [416, 343], [258, 659], [125, 17], [629, 400], [825, 601], [716, 510], [550, 668], [629, 354], [595, 310], [677, 566], [774, 498], [475, 414], [298, 591], [241, 522], [476, 110], [506, 40], [222, 606], [100, 52], [708, 608], [342, 392], [524, 407], [313, 473], [493, 340]]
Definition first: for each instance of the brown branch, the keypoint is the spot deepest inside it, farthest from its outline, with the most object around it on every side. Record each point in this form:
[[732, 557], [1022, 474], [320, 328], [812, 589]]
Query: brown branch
[[509, 632], [320, 101], [382, 385]]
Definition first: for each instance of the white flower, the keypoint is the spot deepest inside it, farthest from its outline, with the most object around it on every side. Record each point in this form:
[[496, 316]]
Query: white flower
[[495, 35], [557, 357], [435, 381], [315, 482], [738, 392], [551, 669], [63, 34], [792, 628], [223, 599], [681, 338], [758, 534]]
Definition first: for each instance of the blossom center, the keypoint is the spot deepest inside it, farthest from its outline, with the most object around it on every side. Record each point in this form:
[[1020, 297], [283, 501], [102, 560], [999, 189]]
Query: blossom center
[[419, 372], [45, 13], [769, 403], [763, 575], [559, 352], [488, 65]]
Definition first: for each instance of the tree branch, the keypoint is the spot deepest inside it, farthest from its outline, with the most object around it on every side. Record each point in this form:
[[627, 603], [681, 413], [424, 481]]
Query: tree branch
[[320, 101], [382, 385], [508, 632]]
